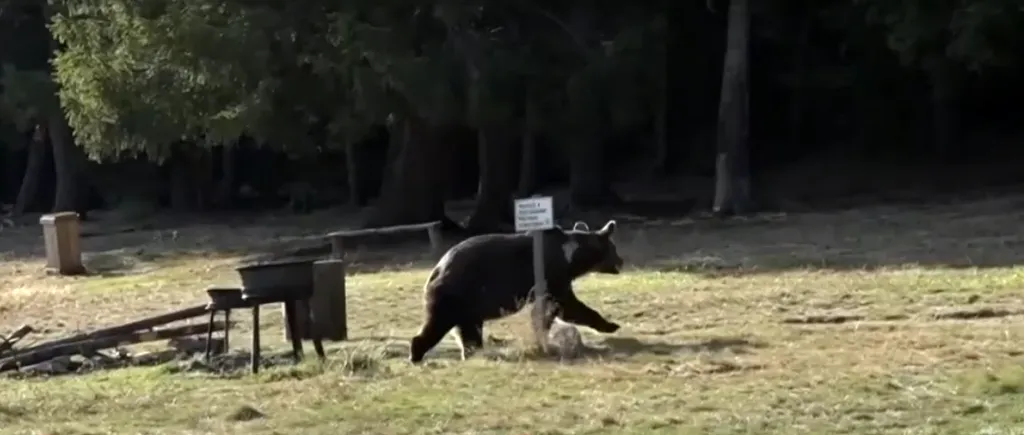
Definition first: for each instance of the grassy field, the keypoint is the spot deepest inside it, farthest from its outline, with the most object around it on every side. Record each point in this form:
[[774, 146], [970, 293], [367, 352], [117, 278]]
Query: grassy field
[[886, 320]]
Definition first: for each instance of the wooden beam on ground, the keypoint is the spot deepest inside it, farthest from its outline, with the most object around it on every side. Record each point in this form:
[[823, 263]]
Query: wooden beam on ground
[[146, 323], [53, 350], [16, 336]]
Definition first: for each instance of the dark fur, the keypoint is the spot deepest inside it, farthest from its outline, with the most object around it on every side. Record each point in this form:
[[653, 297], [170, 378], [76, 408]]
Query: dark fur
[[488, 277]]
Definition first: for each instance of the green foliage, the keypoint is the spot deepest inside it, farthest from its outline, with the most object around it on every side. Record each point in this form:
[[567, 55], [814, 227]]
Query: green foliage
[[132, 78], [978, 33], [988, 33], [140, 76], [144, 75], [28, 95]]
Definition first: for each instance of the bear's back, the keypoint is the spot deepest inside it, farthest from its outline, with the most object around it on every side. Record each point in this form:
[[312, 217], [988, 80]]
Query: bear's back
[[492, 274], [480, 260]]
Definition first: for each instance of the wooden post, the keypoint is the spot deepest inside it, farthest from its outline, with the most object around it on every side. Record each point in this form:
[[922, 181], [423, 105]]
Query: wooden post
[[434, 233], [329, 308], [63, 251], [254, 357], [337, 247], [540, 290], [535, 215], [327, 304]]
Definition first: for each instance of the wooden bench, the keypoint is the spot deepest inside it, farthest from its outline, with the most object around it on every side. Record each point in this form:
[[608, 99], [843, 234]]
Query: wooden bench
[[433, 230]]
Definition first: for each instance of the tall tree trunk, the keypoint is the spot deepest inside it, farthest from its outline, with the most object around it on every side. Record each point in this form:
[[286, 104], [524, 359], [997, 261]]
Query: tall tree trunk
[[202, 173], [182, 183], [800, 68], [226, 186], [4, 176], [945, 119], [355, 188], [528, 149], [396, 142], [415, 191], [732, 184], [588, 182], [662, 153], [492, 212], [662, 157], [69, 165], [527, 164], [37, 148]]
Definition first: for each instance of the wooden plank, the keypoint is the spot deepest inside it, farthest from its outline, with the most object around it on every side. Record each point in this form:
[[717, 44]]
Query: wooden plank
[[386, 230], [147, 323], [53, 350], [9, 342]]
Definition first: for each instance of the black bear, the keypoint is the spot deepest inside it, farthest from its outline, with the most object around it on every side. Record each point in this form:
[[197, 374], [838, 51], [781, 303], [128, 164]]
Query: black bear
[[490, 276]]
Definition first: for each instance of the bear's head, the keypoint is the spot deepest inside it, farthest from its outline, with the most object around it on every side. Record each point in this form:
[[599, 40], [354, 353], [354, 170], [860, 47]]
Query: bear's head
[[592, 251]]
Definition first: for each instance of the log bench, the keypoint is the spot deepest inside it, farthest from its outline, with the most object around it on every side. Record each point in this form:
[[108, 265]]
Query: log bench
[[338, 238]]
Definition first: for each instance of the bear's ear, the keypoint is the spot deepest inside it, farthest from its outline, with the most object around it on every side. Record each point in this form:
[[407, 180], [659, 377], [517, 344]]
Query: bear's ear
[[580, 226], [608, 229]]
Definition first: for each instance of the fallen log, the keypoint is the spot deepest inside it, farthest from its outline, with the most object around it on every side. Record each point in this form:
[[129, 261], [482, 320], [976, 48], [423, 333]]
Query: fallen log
[[127, 328], [16, 336], [54, 349]]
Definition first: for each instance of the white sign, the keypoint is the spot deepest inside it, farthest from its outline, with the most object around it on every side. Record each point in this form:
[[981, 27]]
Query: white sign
[[534, 214]]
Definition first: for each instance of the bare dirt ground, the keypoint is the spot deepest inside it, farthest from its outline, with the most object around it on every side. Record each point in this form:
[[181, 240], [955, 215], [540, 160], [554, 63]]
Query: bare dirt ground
[[893, 319]]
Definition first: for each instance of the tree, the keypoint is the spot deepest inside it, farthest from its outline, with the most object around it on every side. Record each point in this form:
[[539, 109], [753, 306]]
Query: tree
[[732, 178], [174, 81], [489, 41], [408, 53], [945, 40], [30, 99]]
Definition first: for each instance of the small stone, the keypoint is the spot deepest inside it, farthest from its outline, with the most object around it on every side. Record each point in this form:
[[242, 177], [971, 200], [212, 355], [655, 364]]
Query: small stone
[[567, 339], [56, 366], [190, 346], [154, 358]]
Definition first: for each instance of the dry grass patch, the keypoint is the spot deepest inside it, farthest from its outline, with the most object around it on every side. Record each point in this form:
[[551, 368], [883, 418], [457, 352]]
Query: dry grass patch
[[889, 321]]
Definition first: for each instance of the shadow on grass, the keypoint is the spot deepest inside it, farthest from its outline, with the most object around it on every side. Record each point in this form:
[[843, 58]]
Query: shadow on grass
[[281, 365], [976, 234], [11, 411], [609, 347], [1001, 381], [366, 357], [629, 346], [275, 364]]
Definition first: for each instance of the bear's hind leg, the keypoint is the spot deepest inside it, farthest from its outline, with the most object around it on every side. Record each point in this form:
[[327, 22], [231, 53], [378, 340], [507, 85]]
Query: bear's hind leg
[[471, 338], [430, 334]]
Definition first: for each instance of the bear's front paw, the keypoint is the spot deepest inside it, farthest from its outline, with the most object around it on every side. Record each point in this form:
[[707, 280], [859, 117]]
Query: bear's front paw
[[609, 328]]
